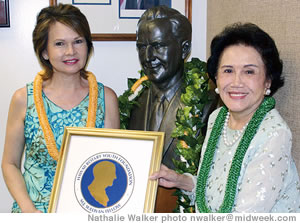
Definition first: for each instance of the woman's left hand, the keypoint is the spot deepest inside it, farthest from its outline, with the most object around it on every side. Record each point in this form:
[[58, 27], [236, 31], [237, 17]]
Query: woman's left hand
[[169, 178]]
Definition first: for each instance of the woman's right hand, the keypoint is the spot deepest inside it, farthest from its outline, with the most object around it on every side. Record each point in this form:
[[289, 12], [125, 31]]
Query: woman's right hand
[[169, 178], [31, 210]]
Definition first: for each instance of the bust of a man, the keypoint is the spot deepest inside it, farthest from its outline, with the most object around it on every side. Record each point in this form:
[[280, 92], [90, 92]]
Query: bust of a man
[[163, 43]]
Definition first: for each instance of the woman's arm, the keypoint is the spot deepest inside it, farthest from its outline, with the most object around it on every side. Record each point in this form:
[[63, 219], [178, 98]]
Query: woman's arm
[[13, 151], [264, 175], [112, 115]]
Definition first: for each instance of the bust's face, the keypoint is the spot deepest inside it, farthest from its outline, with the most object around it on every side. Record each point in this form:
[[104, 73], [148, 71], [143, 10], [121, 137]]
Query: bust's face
[[160, 53]]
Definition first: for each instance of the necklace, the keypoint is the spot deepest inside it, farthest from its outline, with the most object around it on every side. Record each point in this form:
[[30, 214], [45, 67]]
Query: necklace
[[237, 135], [234, 172], [43, 119]]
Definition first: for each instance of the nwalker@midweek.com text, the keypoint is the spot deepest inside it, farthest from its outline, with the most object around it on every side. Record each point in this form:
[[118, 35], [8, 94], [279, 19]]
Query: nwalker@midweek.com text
[[164, 218]]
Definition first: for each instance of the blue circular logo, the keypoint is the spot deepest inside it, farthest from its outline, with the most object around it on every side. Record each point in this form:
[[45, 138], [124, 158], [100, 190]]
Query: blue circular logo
[[104, 183]]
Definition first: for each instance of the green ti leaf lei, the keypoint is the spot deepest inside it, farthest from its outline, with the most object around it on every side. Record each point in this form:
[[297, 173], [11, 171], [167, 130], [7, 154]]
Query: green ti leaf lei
[[234, 172], [189, 128]]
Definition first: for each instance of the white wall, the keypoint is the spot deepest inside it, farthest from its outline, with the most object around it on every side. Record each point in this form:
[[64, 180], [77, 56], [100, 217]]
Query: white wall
[[112, 62]]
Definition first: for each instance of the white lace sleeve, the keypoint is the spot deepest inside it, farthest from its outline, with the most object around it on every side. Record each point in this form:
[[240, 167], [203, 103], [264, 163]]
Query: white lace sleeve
[[265, 174], [191, 194]]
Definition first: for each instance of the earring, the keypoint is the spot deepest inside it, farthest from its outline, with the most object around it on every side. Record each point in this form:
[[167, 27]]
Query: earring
[[268, 92], [217, 91]]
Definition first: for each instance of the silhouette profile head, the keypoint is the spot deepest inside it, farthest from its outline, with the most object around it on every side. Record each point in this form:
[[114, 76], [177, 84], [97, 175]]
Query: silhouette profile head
[[104, 176]]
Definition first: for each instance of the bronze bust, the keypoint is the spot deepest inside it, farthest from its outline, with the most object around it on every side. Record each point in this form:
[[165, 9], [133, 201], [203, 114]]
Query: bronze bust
[[163, 44]]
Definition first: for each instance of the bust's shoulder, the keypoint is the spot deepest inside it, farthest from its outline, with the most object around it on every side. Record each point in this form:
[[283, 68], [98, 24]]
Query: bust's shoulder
[[144, 95]]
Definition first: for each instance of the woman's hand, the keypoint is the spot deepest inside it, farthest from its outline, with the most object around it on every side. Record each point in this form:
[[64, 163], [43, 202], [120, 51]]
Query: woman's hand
[[31, 209], [169, 178]]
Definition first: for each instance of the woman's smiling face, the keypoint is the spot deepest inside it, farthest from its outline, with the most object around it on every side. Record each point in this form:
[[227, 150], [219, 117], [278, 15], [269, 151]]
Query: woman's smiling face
[[66, 50], [241, 79]]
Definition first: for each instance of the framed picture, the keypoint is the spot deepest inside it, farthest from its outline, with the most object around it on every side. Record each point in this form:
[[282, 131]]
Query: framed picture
[[4, 13], [106, 171], [111, 20], [91, 2]]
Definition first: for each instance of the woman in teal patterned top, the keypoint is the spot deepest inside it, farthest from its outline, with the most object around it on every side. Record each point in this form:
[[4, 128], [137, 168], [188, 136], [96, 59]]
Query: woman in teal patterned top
[[63, 44]]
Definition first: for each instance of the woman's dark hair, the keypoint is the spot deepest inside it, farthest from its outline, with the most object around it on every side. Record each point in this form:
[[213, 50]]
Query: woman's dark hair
[[68, 15], [247, 34]]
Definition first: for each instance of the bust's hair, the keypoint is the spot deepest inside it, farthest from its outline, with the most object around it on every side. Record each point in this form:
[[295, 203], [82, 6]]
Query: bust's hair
[[181, 26]]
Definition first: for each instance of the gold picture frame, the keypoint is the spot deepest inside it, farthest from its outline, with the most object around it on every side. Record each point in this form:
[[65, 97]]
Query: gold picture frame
[[113, 20], [120, 159]]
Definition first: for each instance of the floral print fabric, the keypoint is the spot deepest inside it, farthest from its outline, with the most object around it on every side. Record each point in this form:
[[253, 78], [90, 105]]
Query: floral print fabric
[[39, 167]]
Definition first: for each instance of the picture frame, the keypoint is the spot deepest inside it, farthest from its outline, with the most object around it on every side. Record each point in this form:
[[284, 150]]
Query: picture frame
[[106, 171], [91, 2], [4, 14], [117, 27]]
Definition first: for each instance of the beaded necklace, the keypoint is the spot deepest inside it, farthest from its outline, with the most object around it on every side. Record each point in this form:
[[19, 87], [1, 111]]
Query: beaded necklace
[[237, 135], [234, 172], [43, 119]]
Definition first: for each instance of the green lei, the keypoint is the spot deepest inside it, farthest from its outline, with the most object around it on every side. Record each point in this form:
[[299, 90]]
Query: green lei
[[234, 172]]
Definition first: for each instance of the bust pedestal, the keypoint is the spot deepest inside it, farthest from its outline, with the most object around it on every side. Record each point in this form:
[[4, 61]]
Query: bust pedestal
[[165, 200]]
